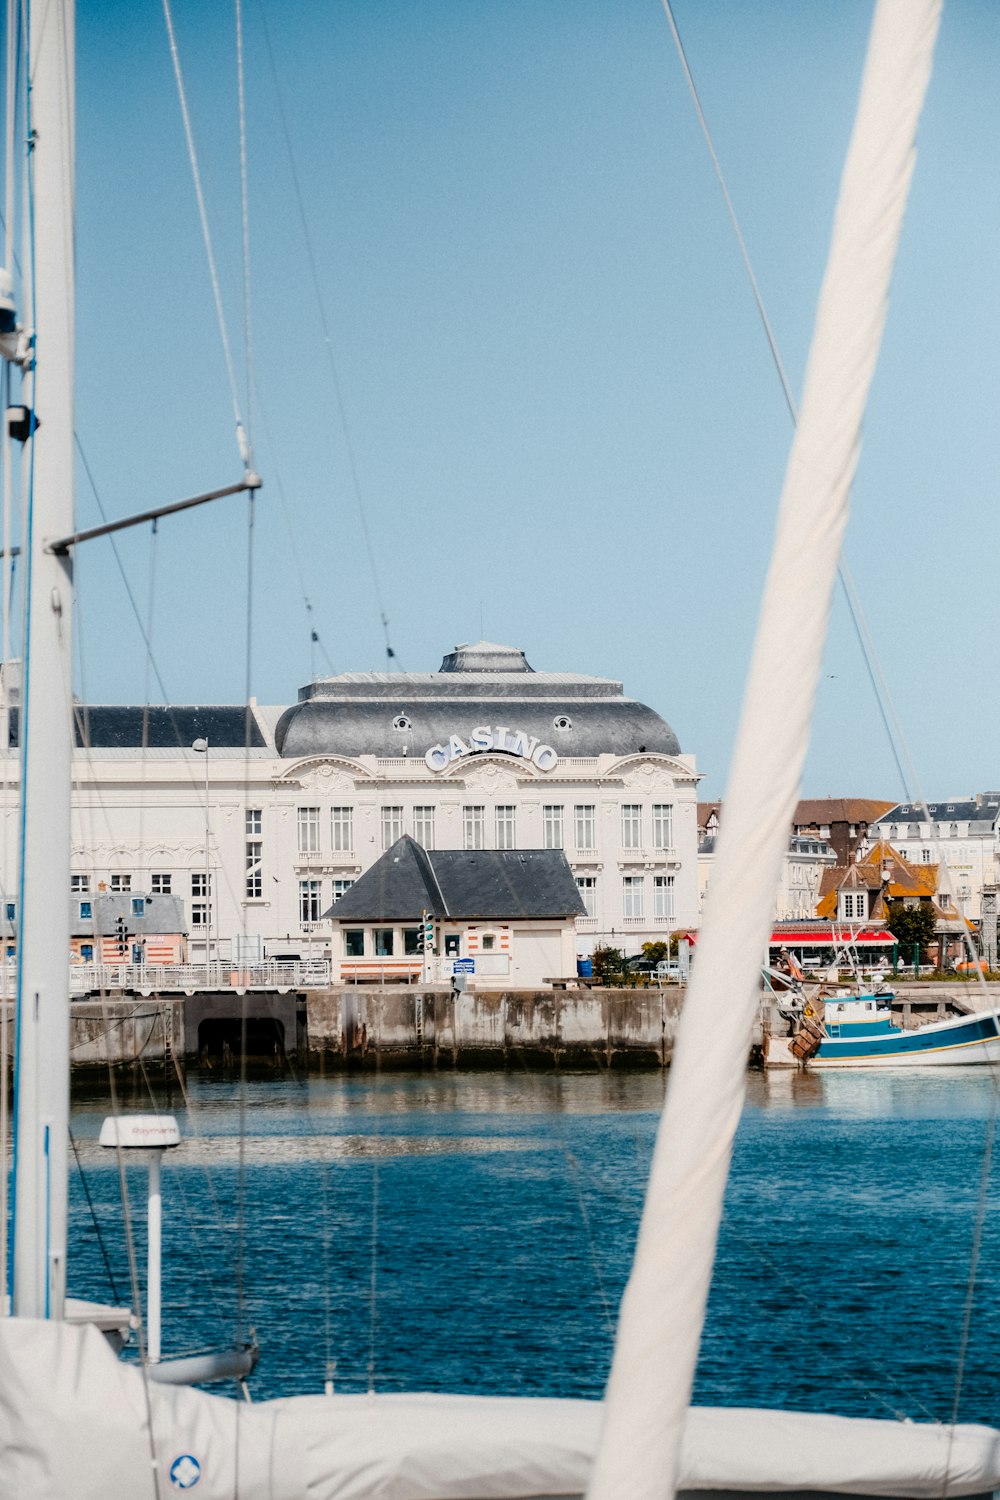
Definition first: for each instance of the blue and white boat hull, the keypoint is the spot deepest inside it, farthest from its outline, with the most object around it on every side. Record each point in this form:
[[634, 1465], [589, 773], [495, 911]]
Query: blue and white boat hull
[[962, 1041]]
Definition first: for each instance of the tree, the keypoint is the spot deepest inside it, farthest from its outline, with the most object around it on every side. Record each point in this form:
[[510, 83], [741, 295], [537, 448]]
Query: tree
[[608, 964], [655, 952], [911, 925]]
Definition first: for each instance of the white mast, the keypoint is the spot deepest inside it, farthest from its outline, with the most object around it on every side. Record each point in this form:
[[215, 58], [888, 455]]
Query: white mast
[[664, 1305], [40, 1166]]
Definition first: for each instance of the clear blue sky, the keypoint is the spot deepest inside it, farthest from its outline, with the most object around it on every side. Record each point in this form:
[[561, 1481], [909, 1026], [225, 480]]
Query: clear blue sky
[[567, 431]]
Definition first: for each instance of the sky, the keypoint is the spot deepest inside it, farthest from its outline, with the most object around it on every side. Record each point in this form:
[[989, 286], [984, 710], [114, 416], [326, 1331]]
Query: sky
[[557, 412]]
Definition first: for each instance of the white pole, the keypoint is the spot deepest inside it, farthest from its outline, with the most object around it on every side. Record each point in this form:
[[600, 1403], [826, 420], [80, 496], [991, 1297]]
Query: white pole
[[40, 1165], [154, 1226]]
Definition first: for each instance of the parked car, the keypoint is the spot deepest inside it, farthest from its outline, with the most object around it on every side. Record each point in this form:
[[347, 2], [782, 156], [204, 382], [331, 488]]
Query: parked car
[[668, 971]]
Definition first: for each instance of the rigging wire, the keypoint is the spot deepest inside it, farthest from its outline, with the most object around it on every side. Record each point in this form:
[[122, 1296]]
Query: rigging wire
[[324, 321], [95, 1220], [13, 73], [897, 739], [241, 436]]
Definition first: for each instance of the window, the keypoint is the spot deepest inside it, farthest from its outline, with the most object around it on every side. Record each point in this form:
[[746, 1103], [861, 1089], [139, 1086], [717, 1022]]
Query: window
[[201, 908], [11, 911], [254, 887], [392, 826], [893, 831], [632, 827], [121, 882], [926, 856], [253, 822], [552, 826], [354, 942], [79, 883], [451, 944], [489, 942], [383, 942], [505, 828], [160, 885], [423, 826], [411, 940], [663, 825], [339, 888], [663, 896], [473, 819], [584, 818], [854, 905], [953, 830], [138, 906], [87, 952], [308, 830], [342, 829], [587, 886], [309, 902], [632, 894], [86, 911]]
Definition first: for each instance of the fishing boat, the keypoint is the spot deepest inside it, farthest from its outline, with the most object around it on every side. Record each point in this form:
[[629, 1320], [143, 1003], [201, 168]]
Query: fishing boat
[[858, 1031], [76, 1423]]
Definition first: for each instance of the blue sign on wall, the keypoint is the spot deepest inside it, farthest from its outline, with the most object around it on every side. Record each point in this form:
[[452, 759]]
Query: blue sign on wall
[[464, 966]]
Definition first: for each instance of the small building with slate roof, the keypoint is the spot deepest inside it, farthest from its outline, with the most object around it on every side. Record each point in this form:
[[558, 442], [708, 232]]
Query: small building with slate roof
[[503, 916], [117, 927]]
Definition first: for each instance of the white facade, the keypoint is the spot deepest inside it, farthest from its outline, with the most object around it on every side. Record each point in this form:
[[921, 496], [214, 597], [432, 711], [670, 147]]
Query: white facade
[[799, 881], [287, 833], [961, 836]]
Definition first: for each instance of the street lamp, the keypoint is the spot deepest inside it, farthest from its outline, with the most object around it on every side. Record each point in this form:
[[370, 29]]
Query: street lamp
[[201, 746]]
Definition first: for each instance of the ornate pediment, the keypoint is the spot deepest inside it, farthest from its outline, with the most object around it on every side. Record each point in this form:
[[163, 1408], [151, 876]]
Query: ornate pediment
[[324, 774], [496, 772]]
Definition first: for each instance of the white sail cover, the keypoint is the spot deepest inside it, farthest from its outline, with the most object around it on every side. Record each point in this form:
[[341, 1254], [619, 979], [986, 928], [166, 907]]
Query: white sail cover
[[74, 1425], [664, 1305]]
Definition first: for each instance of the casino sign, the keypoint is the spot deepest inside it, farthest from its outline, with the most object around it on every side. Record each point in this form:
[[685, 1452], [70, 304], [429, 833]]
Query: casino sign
[[483, 738]]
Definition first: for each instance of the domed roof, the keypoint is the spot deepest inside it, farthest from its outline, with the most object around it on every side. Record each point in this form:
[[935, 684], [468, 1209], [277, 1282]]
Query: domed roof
[[485, 656], [395, 714]]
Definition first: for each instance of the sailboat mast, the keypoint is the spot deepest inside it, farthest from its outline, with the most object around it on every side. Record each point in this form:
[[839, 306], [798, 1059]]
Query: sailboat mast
[[46, 718]]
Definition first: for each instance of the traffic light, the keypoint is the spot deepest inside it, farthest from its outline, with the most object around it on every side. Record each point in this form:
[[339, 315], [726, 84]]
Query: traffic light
[[427, 930], [121, 936]]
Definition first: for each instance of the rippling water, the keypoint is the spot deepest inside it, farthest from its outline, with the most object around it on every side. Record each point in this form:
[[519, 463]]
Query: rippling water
[[458, 1232]]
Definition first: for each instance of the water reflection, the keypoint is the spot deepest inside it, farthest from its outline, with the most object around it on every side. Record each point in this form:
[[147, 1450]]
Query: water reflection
[[499, 1214]]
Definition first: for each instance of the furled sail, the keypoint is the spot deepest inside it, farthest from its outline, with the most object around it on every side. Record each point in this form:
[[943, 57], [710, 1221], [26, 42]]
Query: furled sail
[[663, 1309]]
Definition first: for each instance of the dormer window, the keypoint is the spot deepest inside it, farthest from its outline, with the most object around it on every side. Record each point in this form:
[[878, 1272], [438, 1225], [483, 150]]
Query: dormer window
[[561, 722], [854, 905], [401, 722]]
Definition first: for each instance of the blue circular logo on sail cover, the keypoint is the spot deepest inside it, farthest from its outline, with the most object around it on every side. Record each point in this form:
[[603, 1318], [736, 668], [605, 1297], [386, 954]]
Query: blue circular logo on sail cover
[[185, 1472]]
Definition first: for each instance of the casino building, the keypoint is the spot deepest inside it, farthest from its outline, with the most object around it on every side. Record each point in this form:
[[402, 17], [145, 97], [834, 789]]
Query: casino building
[[259, 820]]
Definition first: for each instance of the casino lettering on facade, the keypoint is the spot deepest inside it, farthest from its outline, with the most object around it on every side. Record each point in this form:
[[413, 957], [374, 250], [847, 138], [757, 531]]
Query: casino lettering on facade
[[507, 741]]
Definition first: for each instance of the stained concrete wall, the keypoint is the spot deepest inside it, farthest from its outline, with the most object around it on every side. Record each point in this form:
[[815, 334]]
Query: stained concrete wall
[[394, 1027]]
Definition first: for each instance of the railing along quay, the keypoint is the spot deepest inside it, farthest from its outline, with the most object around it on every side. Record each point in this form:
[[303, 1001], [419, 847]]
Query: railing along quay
[[186, 979]]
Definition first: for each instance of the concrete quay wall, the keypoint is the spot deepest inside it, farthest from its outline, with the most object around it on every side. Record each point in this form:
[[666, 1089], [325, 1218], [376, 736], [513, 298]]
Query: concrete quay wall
[[362, 1027]]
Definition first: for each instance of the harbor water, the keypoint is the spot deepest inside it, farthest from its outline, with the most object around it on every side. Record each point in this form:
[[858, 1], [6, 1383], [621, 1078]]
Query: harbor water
[[473, 1233]]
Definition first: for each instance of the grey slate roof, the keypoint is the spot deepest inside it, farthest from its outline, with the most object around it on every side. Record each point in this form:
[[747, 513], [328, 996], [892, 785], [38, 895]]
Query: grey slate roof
[[983, 810], [464, 884], [175, 727], [163, 914]]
